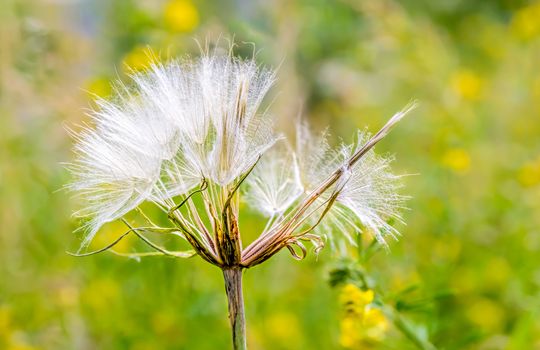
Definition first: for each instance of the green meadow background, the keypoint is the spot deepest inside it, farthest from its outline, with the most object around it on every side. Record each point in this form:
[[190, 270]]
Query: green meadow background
[[469, 256]]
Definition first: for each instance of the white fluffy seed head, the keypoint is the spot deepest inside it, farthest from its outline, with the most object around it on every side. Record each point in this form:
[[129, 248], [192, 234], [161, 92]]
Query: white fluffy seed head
[[368, 191], [371, 193], [173, 125], [111, 178], [185, 121]]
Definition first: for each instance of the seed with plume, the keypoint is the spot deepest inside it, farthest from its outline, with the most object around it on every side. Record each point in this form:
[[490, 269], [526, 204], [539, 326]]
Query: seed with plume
[[195, 127]]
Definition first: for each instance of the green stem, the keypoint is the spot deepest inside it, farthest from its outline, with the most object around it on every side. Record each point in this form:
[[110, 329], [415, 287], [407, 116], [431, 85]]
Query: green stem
[[233, 288], [409, 332]]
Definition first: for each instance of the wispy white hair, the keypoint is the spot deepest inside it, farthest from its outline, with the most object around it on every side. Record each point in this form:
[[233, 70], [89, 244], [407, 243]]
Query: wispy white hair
[[274, 185], [191, 122], [112, 179], [368, 190], [172, 126]]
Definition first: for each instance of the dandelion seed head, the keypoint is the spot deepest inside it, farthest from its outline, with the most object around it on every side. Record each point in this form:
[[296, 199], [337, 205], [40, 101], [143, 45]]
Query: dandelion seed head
[[173, 125], [198, 123]]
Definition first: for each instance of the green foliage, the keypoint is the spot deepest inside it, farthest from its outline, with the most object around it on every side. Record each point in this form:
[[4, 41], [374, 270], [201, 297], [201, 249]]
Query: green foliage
[[465, 273]]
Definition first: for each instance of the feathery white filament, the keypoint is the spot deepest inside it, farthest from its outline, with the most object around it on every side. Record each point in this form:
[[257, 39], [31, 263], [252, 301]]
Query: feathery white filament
[[316, 159], [367, 190], [177, 123], [188, 122], [274, 184], [371, 192], [111, 177]]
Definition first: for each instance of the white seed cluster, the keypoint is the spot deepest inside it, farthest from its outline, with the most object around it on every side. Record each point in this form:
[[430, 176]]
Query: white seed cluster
[[189, 122]]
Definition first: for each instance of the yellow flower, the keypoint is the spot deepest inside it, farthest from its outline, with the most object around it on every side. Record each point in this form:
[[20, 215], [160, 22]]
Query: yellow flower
[[5, 321], [350, 334], [467, 84], [357, 332], [181, 16], [457, 159], [98, 86], [366, 297], [525, 23], [362, 323], [375, 317], [139, 58], [354, 299], [529, 174], [375, 324]]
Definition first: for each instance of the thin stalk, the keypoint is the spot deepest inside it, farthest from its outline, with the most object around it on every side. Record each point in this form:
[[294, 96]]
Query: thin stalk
[[233, 288]]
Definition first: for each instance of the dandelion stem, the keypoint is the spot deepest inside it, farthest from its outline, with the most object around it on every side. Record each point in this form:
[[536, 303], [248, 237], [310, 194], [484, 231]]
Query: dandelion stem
[[233, 288]]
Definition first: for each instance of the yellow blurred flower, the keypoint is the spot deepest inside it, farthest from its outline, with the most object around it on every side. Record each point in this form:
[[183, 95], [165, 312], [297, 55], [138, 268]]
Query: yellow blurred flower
[[354, 300], [467, 84], [349, 332], [181, 16], [139, 58], [8, 340], [457, 159], [360, 332], [98, 86], [525, 22], [486, 314], [375, 323], [529, 174], [361, 323], [5, 321]]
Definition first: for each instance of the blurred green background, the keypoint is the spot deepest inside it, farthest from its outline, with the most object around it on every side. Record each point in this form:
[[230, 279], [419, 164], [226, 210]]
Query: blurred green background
[[474, 144]]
